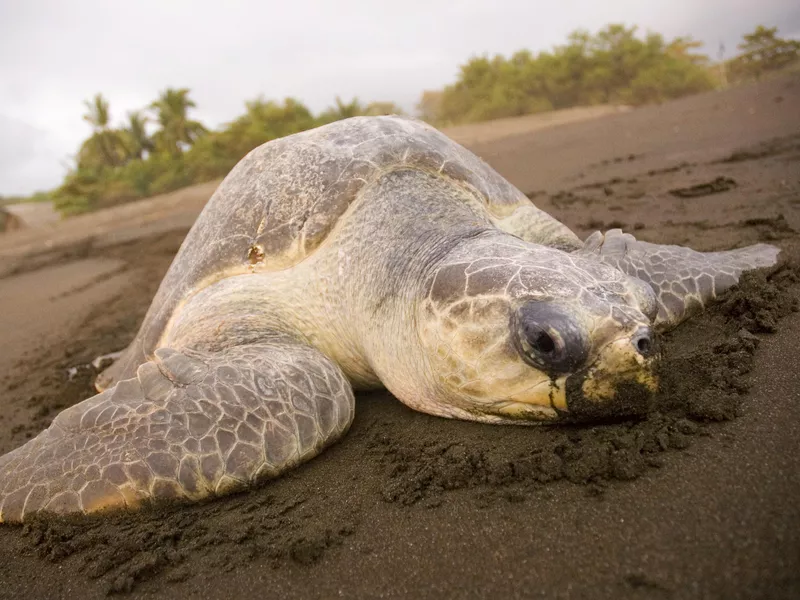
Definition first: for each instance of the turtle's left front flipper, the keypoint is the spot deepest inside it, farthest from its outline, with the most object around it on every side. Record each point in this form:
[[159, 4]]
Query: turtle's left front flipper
[[684, 280], [189, 425]]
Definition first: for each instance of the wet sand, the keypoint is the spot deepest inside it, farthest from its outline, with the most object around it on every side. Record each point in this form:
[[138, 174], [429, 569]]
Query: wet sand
[[699, 500]]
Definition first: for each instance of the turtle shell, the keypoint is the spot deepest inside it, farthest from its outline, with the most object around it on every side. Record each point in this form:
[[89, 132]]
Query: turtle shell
[[280, 202]]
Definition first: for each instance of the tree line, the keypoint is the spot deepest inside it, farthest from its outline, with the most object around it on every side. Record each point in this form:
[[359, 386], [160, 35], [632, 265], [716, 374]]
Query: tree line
[[118, 164], [162, 148], [612, 66]]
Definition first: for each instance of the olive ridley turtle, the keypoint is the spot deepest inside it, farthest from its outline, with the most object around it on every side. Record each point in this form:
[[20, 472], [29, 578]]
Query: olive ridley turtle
[[370, 252]]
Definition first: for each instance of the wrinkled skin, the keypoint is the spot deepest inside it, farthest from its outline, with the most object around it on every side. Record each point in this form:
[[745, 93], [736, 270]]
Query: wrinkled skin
[[370, 252], [533, 318]]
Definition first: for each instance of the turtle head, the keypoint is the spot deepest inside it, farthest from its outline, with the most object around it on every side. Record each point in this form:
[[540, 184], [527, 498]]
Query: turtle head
[[530, 333]]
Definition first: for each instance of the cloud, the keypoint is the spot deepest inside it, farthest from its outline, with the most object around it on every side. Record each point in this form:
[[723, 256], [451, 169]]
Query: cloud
[[29, 158]]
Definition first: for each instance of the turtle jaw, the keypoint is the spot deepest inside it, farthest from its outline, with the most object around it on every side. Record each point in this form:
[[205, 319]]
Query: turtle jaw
[[620, 383]]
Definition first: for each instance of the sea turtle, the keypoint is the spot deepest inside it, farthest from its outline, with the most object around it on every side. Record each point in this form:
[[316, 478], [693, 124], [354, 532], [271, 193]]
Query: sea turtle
[[369, 252]]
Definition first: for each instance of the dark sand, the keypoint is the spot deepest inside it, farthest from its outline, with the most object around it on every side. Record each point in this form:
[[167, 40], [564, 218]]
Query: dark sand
[[700, 500]]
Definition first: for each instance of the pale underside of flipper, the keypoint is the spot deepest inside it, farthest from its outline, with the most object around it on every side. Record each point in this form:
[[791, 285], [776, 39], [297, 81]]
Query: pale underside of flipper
[[684, 281], [190, 425]]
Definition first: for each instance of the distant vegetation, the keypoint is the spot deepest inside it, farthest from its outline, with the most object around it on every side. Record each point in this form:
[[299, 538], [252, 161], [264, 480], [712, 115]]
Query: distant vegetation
[[118, 164], [763, 53], [612, 67], [161, 148]]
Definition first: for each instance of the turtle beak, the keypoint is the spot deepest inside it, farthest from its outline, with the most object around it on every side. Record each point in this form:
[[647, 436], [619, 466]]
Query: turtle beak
[[620, 383]]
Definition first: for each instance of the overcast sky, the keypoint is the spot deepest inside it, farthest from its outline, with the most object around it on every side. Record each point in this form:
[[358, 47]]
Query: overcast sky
[[56, 53]]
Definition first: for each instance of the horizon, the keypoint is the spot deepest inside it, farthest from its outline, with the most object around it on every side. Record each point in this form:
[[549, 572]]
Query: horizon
[[42, 91]]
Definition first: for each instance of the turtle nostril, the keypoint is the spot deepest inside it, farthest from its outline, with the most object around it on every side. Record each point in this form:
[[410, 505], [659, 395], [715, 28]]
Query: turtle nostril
[[643, 341], [544, 343]]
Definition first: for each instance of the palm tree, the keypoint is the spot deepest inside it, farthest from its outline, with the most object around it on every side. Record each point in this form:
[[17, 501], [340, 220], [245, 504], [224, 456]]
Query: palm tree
[[176, 129], [138, 142], [97, 114], [103, 139]]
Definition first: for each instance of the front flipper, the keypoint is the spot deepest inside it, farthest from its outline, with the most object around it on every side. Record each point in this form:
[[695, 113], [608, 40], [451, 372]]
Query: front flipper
[[188, 426], [684, 280]]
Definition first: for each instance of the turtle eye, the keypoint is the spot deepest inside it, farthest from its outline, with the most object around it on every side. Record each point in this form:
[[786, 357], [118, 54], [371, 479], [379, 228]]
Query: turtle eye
[[542, 342], [549, 337]]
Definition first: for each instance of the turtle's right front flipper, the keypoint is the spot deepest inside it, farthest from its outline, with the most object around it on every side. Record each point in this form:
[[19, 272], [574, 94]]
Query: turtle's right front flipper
[[188, 426], [684, 280]]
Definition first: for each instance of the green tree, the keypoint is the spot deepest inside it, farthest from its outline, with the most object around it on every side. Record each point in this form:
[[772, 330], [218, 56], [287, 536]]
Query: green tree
[[176, 130], [103, 148], [118, 165], [137, 140], [98, 114], [616, 64], [612, 66], [764, 52], [264, 120]]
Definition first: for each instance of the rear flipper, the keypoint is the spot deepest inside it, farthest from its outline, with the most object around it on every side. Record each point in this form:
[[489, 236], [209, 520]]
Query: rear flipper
[[684, 280], [188, 426]]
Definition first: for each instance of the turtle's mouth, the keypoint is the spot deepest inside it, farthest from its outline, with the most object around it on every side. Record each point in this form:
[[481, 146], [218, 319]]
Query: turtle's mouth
[[620, 383]]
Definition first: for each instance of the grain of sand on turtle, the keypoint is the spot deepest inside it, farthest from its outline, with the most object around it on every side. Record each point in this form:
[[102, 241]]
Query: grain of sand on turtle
[[402, 478]]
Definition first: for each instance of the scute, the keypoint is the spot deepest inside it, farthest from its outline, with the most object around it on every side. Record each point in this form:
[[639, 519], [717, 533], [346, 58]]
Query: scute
[[280, 202]]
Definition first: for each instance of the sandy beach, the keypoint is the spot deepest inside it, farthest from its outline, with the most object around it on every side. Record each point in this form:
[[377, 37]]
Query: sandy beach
[[699, 500]]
